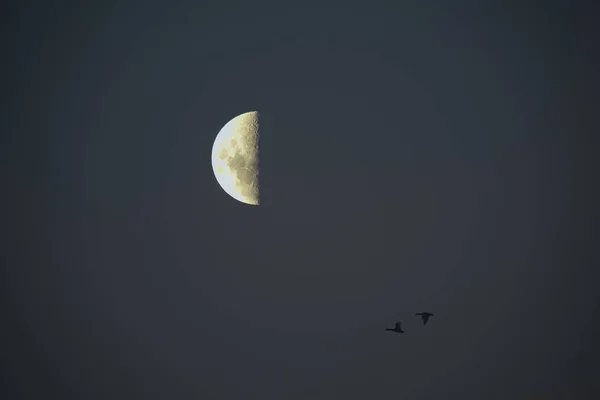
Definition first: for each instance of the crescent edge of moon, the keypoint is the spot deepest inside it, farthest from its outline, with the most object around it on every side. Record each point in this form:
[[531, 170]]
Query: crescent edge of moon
[[235, 159]]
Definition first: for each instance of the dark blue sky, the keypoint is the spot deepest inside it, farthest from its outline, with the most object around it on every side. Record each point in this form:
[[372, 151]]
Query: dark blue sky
[[427, 156]]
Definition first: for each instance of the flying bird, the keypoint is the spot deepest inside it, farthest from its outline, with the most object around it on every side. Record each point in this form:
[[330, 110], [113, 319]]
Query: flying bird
[[424, 316], [397, 329]]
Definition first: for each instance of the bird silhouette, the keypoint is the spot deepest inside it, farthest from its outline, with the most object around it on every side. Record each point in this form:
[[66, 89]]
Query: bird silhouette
[[424, 316], [397, 329]]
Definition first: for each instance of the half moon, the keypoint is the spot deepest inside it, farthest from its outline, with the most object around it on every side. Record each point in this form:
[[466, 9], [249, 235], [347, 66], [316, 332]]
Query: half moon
[[235, 158]]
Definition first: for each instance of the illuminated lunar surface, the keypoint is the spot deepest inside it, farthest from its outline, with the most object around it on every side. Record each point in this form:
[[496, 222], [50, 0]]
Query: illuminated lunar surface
[[235, 158]]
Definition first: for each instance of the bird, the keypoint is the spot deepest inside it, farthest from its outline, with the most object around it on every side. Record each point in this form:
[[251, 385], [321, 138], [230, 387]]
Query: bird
[[397, 328], [424, 316]]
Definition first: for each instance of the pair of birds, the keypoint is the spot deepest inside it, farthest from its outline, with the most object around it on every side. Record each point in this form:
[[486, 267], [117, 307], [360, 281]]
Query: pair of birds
[[398, 328]]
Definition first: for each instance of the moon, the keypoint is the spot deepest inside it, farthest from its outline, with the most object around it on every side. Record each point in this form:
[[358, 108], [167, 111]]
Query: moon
[[235, 158]]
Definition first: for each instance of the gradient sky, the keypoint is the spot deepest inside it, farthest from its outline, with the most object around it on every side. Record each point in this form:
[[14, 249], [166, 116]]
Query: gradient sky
[[430, 156]]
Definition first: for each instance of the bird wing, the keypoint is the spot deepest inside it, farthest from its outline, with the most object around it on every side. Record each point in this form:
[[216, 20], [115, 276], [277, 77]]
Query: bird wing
[[398, 325]]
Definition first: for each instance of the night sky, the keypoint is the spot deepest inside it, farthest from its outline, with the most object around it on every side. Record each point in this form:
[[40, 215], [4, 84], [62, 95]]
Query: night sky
[[421, 156]]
